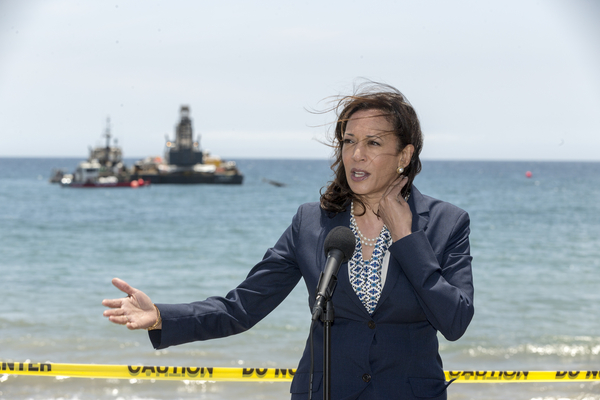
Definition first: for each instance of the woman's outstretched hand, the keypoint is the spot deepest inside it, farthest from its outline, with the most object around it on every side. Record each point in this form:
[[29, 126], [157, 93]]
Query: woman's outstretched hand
[[136, 311]]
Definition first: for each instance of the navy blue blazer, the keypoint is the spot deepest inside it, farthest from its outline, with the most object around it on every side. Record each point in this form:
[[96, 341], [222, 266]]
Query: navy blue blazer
[[392, 354]]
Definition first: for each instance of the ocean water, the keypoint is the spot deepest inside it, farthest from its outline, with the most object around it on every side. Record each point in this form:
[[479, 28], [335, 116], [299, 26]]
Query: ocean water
[[535, 242]]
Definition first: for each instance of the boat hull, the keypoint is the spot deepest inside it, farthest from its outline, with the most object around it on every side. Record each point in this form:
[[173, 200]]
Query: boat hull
[[197, 178], [132, 184]]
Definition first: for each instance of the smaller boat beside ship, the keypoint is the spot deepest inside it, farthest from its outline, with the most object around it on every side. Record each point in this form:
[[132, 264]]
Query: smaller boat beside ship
[[104, 168], [185, 163]]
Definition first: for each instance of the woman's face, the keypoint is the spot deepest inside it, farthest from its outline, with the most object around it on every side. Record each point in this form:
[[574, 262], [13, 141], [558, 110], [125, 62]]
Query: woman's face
[[370, 154]]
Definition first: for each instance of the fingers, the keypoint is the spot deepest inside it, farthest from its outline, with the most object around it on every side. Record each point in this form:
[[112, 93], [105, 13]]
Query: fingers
[[119, 319], [402, 181], [132, 320], [116, 315], [123, 286], [114, 312], [398, 184], [112, 303], [116, 305], [393, 191], [395, 211], [134, 311]]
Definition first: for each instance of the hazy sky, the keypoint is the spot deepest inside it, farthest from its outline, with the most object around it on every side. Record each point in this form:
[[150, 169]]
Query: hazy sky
[[510, 79]]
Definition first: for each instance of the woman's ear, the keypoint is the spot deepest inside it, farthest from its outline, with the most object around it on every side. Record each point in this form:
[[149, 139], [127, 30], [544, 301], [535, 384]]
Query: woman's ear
[[406, 155]]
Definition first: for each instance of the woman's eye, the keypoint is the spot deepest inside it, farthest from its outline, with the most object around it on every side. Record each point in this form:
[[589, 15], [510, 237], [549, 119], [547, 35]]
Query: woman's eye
[[374, 143], [345, 140]]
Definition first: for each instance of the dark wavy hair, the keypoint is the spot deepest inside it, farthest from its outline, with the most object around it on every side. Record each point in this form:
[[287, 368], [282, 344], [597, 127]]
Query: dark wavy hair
[[398, 111]]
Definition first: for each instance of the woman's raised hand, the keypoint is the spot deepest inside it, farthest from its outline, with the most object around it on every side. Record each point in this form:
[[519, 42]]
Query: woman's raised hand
[[136, 311], [394, 211]]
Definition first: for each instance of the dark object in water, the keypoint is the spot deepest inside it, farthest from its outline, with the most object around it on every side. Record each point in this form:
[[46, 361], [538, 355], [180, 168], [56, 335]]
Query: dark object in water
[[274, 183]]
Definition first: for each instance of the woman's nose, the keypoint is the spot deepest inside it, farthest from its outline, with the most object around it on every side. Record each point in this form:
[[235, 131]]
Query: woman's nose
[[358, 153]]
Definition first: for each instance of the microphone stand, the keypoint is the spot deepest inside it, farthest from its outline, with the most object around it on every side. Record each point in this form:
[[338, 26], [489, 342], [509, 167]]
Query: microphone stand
[[339, 247], [327, 317]]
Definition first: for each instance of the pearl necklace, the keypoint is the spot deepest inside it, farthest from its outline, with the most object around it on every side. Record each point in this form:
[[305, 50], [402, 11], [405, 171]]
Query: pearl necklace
[[365, 240]]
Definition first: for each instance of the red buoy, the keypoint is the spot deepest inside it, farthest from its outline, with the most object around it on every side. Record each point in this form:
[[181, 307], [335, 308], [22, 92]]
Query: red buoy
[[528, 174]]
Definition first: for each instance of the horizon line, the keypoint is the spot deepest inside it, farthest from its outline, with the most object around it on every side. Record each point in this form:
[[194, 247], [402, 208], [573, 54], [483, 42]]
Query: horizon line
[[329, 159]]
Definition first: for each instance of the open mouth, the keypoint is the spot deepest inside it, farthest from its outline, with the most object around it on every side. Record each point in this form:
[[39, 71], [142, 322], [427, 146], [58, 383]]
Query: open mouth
[[358, 174]]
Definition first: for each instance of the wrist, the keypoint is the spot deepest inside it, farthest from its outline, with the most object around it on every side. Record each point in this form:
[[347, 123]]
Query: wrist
[[158, 323], [400, 235]]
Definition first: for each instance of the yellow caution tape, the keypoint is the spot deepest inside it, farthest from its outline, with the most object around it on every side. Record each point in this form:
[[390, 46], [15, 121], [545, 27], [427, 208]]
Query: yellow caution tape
[[521, 376], [260, 374], [148, 372]]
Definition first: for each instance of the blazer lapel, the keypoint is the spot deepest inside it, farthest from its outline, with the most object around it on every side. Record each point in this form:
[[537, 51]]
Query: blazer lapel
[[344, 285], [420, 212], [420, 209]]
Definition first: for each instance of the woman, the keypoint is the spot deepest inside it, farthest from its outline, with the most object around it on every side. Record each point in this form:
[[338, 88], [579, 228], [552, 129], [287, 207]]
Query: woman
[[409, 277]]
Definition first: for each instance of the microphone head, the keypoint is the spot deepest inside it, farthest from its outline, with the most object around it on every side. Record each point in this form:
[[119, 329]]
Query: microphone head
[[340, 238]]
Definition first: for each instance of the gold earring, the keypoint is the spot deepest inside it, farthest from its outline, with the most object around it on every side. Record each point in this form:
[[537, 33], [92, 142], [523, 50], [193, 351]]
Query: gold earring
[[400, 170]]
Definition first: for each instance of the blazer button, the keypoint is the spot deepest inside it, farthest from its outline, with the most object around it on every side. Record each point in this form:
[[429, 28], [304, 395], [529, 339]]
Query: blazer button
[[366, 378], [371, 324]]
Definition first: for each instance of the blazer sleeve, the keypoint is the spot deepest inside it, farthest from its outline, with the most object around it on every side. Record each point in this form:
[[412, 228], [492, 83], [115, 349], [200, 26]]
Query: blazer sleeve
[[265, 287], [444, 288]]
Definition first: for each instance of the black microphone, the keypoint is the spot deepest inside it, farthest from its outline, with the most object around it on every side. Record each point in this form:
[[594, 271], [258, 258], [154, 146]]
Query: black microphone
[[339, 247]]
